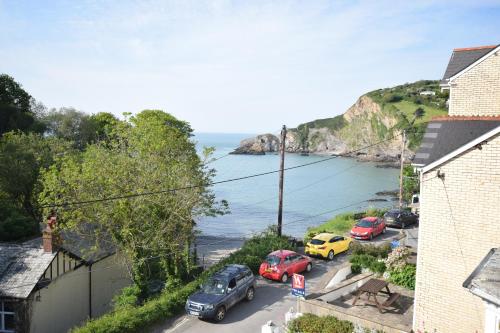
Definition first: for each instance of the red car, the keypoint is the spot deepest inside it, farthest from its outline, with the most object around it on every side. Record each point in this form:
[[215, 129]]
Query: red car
[[368, 228], [282, 264]]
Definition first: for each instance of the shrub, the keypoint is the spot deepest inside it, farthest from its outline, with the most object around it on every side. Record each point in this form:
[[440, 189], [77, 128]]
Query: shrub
[[129, 296], [372, 250], [309, 323], [397, 258], [404, 277]]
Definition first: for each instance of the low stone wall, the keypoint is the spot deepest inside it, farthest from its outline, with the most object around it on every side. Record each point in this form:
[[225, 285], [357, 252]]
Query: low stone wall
[[321, 308]]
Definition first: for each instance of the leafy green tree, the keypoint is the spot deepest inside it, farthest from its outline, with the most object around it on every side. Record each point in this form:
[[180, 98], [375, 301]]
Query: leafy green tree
[[411, 184], [22, 156], [71, 125], [303, 132], [152, 154], [15, 108]]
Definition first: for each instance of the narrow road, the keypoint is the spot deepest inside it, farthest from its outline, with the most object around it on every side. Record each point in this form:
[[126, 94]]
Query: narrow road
[[272, 300]]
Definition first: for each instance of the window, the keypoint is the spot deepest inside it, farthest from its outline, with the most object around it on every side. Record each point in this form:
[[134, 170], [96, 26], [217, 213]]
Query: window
[[7, 322], [232, 284]]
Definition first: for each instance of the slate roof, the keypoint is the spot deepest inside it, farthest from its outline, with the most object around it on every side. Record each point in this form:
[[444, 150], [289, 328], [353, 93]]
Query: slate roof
[[485, 280], [21, 267], [446, 135], [87, 248], [462, 58]]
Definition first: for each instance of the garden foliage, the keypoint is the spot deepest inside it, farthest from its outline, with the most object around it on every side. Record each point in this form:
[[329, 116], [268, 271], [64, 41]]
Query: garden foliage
[[310, 323]]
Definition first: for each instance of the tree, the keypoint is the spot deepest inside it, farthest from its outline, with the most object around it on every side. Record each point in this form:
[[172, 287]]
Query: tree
[[15, 108], [22, 156], [153, 153], [411, 184], [303, 132]]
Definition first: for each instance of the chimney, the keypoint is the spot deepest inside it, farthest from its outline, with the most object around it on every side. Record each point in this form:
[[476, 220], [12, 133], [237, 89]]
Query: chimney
[[48, 237], [47, 240]]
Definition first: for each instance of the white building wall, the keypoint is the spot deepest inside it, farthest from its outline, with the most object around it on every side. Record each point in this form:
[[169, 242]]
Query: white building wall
[[65, 302], [457, 229], [492, 318], [109, 276]]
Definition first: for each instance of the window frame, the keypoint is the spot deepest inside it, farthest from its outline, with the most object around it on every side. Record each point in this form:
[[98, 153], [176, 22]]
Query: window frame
[[3, 313]]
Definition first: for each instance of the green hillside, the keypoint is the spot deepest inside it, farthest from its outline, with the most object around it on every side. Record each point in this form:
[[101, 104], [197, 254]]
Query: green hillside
[[398, 103]]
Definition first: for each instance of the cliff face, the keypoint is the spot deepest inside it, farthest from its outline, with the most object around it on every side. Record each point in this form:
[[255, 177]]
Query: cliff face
[[372, 119]]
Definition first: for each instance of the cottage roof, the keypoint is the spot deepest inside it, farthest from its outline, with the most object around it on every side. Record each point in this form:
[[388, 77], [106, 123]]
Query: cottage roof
[[448, 134], [485, 280], [21, 267], [463, 58]]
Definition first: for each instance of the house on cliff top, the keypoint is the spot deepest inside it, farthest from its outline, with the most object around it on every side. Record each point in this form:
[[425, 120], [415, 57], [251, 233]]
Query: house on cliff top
[[459, 163]]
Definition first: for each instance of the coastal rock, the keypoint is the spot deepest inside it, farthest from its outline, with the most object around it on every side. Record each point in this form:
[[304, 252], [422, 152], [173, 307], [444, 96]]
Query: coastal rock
[[258, 145]]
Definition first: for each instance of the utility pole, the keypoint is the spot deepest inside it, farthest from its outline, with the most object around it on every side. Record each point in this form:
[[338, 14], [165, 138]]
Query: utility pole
[[401, 171], [282, 171]]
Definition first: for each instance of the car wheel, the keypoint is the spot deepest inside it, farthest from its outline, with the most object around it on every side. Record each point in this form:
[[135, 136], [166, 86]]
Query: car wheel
[[371, 236], [220, 314], [331, 254], [250, 294], [309, 267], [284, 277]]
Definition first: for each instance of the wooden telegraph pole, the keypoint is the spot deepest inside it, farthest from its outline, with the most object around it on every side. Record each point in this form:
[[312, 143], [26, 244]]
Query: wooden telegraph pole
[[282, 171], [401, 171]]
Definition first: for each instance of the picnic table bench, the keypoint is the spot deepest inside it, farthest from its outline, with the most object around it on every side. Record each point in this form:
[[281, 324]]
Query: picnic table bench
[[372, 287]]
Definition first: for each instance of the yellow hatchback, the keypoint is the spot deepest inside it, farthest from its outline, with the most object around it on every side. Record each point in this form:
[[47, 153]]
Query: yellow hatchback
[[327, 245]]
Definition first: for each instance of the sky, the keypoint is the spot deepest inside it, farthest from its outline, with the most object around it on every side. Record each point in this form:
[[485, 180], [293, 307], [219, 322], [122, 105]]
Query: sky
[[232, 66]]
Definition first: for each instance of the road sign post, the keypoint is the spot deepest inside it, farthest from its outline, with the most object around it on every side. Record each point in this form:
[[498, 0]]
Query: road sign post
[[298, 285]]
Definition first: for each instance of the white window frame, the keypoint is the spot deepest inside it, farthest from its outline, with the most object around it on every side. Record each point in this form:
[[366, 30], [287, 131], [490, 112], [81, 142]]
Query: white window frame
[[2, 318]]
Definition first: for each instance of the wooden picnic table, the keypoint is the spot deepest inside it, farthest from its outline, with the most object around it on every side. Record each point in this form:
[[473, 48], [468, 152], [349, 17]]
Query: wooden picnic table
[[372, 287]]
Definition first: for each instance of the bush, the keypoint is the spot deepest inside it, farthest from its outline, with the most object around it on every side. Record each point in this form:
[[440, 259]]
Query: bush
[[130, 318], [372, 250], [397, 258], [309, 323], [404, 277], [129, 296]]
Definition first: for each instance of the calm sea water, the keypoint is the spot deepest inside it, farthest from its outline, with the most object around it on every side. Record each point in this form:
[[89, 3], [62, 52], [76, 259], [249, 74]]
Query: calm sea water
[[312, 194]]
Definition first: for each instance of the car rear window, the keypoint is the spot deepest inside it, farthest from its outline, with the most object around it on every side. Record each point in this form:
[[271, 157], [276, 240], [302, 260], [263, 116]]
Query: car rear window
[[392, 213], [364, 224], [272, 260], [317, 242]]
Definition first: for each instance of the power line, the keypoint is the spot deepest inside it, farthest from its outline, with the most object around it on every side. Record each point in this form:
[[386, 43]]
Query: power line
[[173, 190]]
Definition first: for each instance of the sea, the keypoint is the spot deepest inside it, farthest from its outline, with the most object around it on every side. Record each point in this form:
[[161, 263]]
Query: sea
[[312, 195]]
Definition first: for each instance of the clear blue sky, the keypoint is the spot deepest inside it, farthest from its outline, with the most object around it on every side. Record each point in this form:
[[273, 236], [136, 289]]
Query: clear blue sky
[[232, 66]]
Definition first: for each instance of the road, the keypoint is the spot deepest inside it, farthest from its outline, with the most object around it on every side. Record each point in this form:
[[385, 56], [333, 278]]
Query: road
[[272, 300]]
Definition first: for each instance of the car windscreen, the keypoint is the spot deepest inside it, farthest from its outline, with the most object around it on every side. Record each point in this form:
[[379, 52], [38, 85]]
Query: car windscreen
[[272, 260], [215, 287], [317, 242], [364, 224], [392, 213]]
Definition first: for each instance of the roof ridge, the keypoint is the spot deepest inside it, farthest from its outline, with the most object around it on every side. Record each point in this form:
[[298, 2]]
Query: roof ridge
[[475, 48], [465, 118]]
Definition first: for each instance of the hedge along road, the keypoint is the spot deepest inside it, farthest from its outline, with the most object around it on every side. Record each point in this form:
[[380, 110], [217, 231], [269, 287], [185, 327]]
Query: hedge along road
[[272, 300]]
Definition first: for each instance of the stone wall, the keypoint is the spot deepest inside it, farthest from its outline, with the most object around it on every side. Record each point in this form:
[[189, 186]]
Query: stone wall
[[457, 229], [477, 91]]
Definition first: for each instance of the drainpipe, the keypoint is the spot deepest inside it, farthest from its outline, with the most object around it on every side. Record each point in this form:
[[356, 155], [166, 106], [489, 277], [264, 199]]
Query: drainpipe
[[90, 291], [415, 300]]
